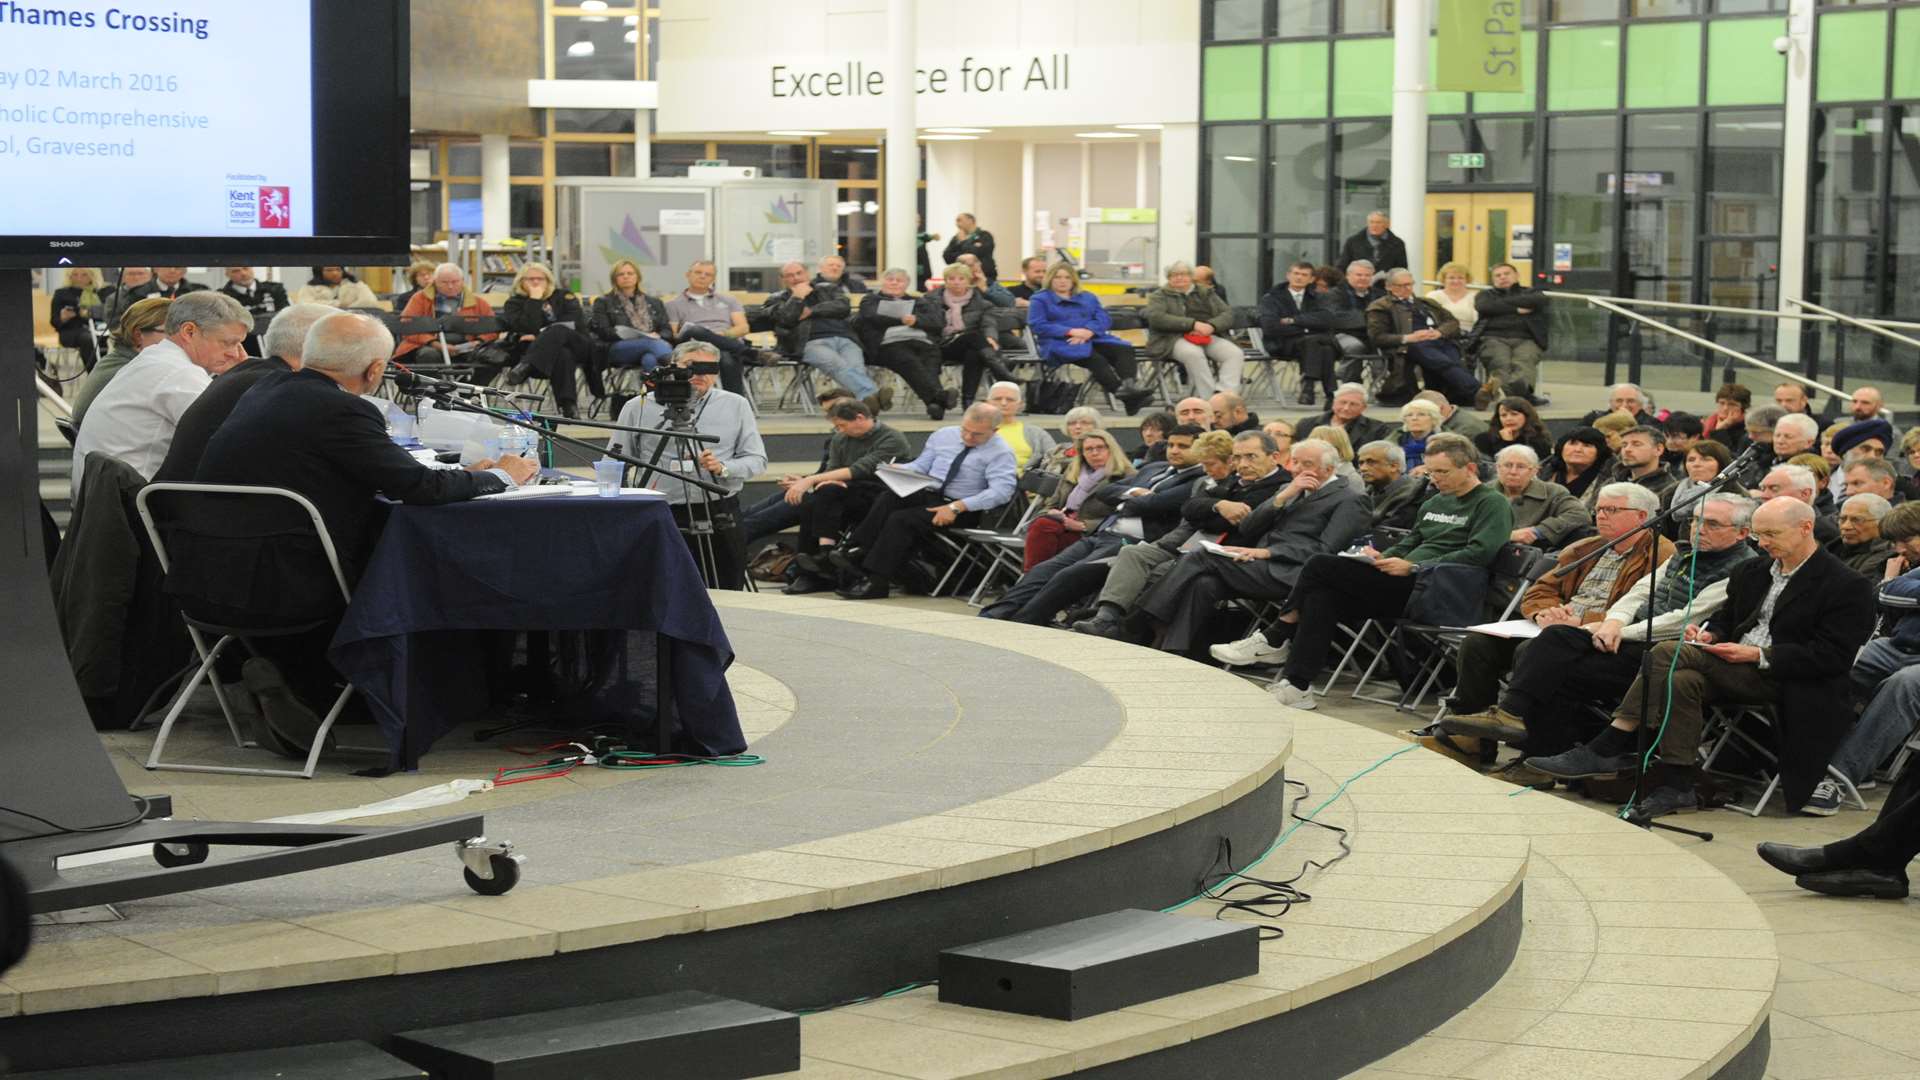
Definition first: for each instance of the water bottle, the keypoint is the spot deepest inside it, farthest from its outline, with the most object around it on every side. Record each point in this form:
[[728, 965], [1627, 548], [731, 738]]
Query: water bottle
[[523, 441]]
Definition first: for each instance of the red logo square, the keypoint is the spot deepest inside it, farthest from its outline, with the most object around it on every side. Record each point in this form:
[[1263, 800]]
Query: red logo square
[[276, 208]]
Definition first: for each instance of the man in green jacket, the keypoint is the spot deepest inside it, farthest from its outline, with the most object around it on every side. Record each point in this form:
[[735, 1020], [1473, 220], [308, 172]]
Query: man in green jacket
[[843, 490], [1465, 521]]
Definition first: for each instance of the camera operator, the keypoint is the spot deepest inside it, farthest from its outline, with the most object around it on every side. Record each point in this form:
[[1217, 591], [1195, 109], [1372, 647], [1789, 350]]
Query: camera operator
[[739, 456]]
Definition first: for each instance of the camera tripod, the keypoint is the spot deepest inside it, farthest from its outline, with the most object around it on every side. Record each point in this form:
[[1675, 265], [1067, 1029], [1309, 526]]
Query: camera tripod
[[680, 446]]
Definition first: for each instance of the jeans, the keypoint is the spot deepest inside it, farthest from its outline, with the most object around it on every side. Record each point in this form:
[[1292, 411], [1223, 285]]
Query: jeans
[[841, 360], [768, 516], [1889, 716], [644, 353]]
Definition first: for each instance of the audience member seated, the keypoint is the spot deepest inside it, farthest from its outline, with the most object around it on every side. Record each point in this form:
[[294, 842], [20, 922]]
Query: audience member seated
[[1513, 334], [1576, 593], [1077, 422], [774, 514], [1638, 462], [1860, 545], [130, 281], [890, 333], [1870, 863], [1314, 513], [970, 239], [1032, 445], [1705, 460], [996, 294], [1203, 276], [842, 492], [1727, 425], [1626, 398], [631, 325], [1153, 438], [1070, 325], [1456, 295], [1798, 482], [1579, 458], [1146, 508], [1418, 419], [1196, 411], [1033, 279], [285, 337], [1545, 514], [974, 472], [738, 457], [955, 316], [1567, 667], [418, 278], [1281, 432], [1682, 430], [1286, 337], [543, 335], [812, 323], [1453, 419], [1221, 512], [1464, 522], [450, 297], [1792, 397], [168, 281], [140, 325], [133, 419], [75, 307], [1793, 433], [1823, 497], [1393, 497], [334, 287], [258, 297], [699, 312], [1230, 413], [1885, 675], [1071, 510], [1337, 438], [1872, 475], [1377, 244], [1187, 323], [308, 431], [1348, 411], [1417, 334], [1515, 422], [1786, 638], [1341, 312], [832, 270]]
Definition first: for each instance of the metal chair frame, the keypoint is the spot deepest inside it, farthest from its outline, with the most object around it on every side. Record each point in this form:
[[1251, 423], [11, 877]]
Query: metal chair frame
[[1725, 720]]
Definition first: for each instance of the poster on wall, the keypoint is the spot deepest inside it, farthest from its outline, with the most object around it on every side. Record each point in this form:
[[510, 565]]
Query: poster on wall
[[769, 222], [626, 224], [1562, 257], [683, 223], [1520, 246]]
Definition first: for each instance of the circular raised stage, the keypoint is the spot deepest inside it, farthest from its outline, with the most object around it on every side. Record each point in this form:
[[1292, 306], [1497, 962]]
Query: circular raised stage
[[934, 780]]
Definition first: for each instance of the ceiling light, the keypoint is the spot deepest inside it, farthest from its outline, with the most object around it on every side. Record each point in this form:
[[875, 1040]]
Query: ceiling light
[[1235, 157], [593, 5], [1139, 127], [949, 138], [1104, 135], [959, 131], [631, 20], [799, 134], [580, 48], [632, 37]]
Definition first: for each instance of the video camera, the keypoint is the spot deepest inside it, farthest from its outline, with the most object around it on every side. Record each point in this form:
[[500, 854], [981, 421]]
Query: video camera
[[670, 385]]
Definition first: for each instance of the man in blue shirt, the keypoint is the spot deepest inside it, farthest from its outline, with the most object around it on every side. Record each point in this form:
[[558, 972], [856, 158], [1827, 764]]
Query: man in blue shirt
[[974, 472]]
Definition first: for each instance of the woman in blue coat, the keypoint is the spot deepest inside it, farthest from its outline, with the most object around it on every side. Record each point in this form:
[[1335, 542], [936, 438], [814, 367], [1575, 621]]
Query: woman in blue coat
[[1070, 326]]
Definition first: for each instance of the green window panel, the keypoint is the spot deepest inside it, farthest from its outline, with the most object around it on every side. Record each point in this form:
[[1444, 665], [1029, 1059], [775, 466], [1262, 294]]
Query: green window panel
[[1742, 67], [1297, 80], [1583, 68], [1853, 56], [1441, 102], [1363, 77], [1906, 53], [1663, 65], [1521, 100], [1231, 87]]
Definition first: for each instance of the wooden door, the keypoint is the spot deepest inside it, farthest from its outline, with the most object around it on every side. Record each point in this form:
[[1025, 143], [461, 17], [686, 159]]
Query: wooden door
[[1479, 230]]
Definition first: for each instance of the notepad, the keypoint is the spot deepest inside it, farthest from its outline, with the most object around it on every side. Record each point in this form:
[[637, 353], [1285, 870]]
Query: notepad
[[903, 481], [1517, 629], [529, 492]]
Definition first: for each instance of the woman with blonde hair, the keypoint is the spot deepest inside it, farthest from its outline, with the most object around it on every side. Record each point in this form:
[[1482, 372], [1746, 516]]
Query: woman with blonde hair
[[1073, 510], [140, 326], [631, 325], [73, 309], [416, 278], [1455, 295], [542, 320], [1071, 326], [1337, 438]]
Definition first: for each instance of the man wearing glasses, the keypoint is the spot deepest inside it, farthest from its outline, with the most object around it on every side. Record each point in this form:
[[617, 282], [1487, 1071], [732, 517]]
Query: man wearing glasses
[[1596, 661]]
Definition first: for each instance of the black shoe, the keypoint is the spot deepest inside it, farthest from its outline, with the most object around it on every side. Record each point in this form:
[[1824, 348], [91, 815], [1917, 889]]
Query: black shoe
[[804, 583], [1582, 762], [1793, 860], [1662, 801], [1103, 624], [1877, 884], [815, 563], [952, 397], [1134, 399], [936, 411], [570, 410], [845, 560], [290, 722], [866, 588], [520, 373], [1306, 395], [1539, 400]]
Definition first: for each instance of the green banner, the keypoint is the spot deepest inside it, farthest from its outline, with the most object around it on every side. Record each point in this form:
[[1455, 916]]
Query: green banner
[[1479, 46]]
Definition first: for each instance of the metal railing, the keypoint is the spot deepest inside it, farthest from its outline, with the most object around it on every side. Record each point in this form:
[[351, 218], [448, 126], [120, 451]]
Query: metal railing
[[51, 397]]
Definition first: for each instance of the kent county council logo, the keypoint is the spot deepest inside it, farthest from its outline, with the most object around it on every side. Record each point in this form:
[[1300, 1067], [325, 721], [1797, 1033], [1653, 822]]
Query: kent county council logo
[[276, 208], [259, 207]]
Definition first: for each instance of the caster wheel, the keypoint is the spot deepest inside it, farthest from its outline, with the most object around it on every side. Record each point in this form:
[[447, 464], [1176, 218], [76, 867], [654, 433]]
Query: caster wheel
[[506, 874], [183, 854]]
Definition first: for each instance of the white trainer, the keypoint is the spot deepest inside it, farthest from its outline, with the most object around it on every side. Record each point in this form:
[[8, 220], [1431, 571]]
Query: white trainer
[[1252, 649], [1288, 694]]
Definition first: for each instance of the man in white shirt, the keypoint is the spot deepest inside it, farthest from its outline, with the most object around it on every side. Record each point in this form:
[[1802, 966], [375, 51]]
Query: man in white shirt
[[134, 417]]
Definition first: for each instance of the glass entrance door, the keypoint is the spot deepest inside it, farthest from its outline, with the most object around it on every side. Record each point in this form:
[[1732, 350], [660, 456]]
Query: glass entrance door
[[1479, 230]]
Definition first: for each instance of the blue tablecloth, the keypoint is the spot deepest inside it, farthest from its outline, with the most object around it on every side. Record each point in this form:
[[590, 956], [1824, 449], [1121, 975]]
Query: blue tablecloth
[[440, 574]]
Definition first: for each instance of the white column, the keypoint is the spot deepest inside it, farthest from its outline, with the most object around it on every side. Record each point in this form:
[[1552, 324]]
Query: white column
[[1179, 195], [903, 149], [1408, 203], [1140, 171], [495, 212], [950, 189], [1797, 149], [1028, 201], [642, 143]]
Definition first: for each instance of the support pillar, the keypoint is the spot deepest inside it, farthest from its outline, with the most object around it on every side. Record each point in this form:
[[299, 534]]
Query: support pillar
[[1797, 147], [1408, 200], [496, 188], [903, 149]]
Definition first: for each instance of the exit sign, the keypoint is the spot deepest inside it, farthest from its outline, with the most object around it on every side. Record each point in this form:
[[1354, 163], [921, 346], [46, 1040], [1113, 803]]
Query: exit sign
[[1466, 161]]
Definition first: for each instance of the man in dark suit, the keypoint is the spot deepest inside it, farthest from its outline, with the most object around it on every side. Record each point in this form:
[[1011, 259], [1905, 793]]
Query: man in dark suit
[[1348, 412], [1341, 314], [1315, 512], [258, 297], [286, 336], [1286, 337], [168, 281], [1786, 637], [1376, 244], [308, 431]]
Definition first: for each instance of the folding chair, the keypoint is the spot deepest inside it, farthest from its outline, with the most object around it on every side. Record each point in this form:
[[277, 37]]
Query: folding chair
[[1899, 763], [225, 634], [1728, 723], [992, 548], [1515, 568]]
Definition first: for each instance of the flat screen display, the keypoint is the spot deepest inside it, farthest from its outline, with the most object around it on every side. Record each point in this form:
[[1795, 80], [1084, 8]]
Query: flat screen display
[[202, 130]]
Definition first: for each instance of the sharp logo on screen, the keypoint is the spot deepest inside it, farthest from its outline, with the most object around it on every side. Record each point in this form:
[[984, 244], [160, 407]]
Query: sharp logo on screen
[[259, 207]]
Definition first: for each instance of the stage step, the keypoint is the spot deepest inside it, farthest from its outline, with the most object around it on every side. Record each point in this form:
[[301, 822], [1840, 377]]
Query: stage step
[[322, 1061], [686, 1035]]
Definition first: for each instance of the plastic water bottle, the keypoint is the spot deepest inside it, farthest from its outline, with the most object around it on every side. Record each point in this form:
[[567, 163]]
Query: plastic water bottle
[[521, 440]]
